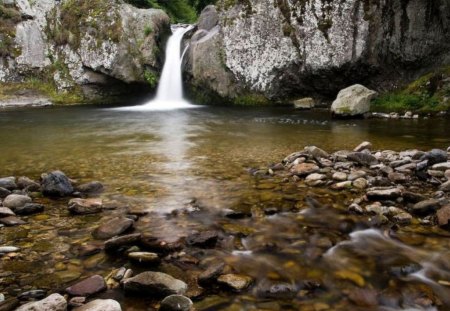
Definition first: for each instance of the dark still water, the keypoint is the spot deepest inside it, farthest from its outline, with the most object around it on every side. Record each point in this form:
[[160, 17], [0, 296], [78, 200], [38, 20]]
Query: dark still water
[[158, 161]]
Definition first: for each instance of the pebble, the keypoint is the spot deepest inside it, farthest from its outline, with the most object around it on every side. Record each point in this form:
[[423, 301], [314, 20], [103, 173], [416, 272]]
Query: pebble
[[360, 183], [340, 176], [383, 193]]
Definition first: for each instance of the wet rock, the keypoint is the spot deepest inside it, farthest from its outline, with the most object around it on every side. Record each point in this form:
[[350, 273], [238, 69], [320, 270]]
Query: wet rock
[[11, 221], [271, 290], [56, 184], [88, 249], [32, 294], [360, 183], [113, 227], [356, 174], [355, 208], [304, 169], [316, 152], [445, 186], [54, 302], [87, 287], [426, 207], [380, 181], [77, 302], [16, 200], [350, 276], [447, 174], [383, 193], [375, 209], [205, 239], [161, 245], [85, 206], [154, 283], [340, 176], [443, 216], [397, 163], [397, 178], [363, 297], [93, 187], [176, 303], [211, 274], [8, 249], [441, 166], [362, 158], [315, 179], [413, 197], [8, 183], [5, 212], [28, 184], [29, 208], [403, 218], [232, 214], [100, 305], [362, 146], [144, 257], [4, 192], [121, 241], [235, 282], [342, 185], [9, 304], [435, 156]]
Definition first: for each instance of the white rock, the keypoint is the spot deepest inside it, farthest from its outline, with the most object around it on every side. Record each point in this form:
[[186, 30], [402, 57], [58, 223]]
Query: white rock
[[54, 302], [100, 305], [353, 101]]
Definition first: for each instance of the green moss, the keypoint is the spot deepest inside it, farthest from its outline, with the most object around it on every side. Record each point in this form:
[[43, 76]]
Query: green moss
[[148, 30], [429, 93], [151, 78]]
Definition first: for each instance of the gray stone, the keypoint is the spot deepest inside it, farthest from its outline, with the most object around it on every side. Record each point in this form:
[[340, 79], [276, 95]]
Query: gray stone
[[360, 183], [4, 192], [441, 166], [144, 257], [124, 240], [100, 305], [5, 211], [426, 207], [208, 18], [154, 283], [11, 221], [397, 178], [235, 282], [340, 176], [54, 302], [353, 101], [383, 193], [29, 208], [28, 184], [304, 103], [85, 206], [356, 174], [113, 227], [16, 200], [445, 186], [403, 218], [435, 156], [176, 303], [316, 152], [304, 169], [362, 158], [363, 146], [8, 183], [93, 187], [56, 184]]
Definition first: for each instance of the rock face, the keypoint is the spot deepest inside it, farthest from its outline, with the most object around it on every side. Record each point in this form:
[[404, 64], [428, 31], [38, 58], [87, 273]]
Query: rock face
[[54, 302], [289, 49], [352, 101], [124, 50]]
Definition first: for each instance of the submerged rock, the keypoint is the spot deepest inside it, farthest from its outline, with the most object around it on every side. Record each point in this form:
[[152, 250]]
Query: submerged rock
[[54, 302], [204, 239], [426, 207], [56, 184], [211, 274], [87, 287], [29, 208], [353, 101], [124, 240], [85, 206], [236, 282], [93, 187], [144, 257], [11, 221], [113, 227], [100, 305], [176, 303], [154, 283]]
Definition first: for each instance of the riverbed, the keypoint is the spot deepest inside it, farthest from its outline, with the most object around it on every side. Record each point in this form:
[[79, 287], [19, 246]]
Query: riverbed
[[162, 162]]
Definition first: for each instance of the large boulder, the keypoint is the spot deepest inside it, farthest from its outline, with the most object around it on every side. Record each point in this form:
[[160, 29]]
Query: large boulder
[[353, 101], [56, 184], [54, 302]]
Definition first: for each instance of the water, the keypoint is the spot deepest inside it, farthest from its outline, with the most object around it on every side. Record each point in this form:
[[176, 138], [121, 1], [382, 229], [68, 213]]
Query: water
[[169, 95], [161, 160]]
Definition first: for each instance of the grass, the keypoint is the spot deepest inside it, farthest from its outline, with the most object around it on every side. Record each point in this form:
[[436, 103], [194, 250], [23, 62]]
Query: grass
[[427, 94]]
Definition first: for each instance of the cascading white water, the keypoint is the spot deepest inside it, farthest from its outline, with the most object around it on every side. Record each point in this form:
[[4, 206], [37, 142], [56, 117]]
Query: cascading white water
[[170, 88]]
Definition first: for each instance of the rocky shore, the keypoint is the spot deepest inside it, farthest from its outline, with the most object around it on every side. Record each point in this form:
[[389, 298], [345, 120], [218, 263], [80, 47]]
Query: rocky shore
[[389, 189]]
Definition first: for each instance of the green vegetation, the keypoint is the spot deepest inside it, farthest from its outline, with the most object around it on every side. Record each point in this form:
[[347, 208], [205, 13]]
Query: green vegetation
[[9, 17], [429, 93], [180, 11], [151, 78], [148, 30]]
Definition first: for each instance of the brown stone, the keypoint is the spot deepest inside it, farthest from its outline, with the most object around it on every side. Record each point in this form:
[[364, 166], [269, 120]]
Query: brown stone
[[87, 287], [85, 206], [113, 227], [304, 169], [443, 216]]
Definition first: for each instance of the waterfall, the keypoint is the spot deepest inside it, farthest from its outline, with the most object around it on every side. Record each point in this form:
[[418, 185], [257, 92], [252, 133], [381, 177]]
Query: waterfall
[[170, 88]]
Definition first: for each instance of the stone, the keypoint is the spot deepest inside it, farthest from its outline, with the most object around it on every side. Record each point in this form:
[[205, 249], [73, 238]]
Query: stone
[[28, 184], [397, 177], [88, 287], [356, 174], [161, 245], [363, 146], [85, 206], [124, 240], [445, 186], [32, 294], [56, 184], [304, 103], [413, 197], [360, 183], [154, 283], [8, 249], [342, 185], [363, 297], [208, 18], [340, 176], [443, 216], [441, 166], [316, 152], [353, 101], [75, 302], [4, 192], [11, 221], [304, 169], [144, 257], [383, 193], [5, 211], [205, 239], [93, 187], [355, 208], [401, 162], [176, 303], [54, 302], [403, 218], [435, 156], [113, 227], [426, 207], [315, 177], [435, 173], [447, 174], [29, 208], [16, 200], [211, 274], [100, 305], [8, 183], [274, 290], [362, 158], [235, 282]]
